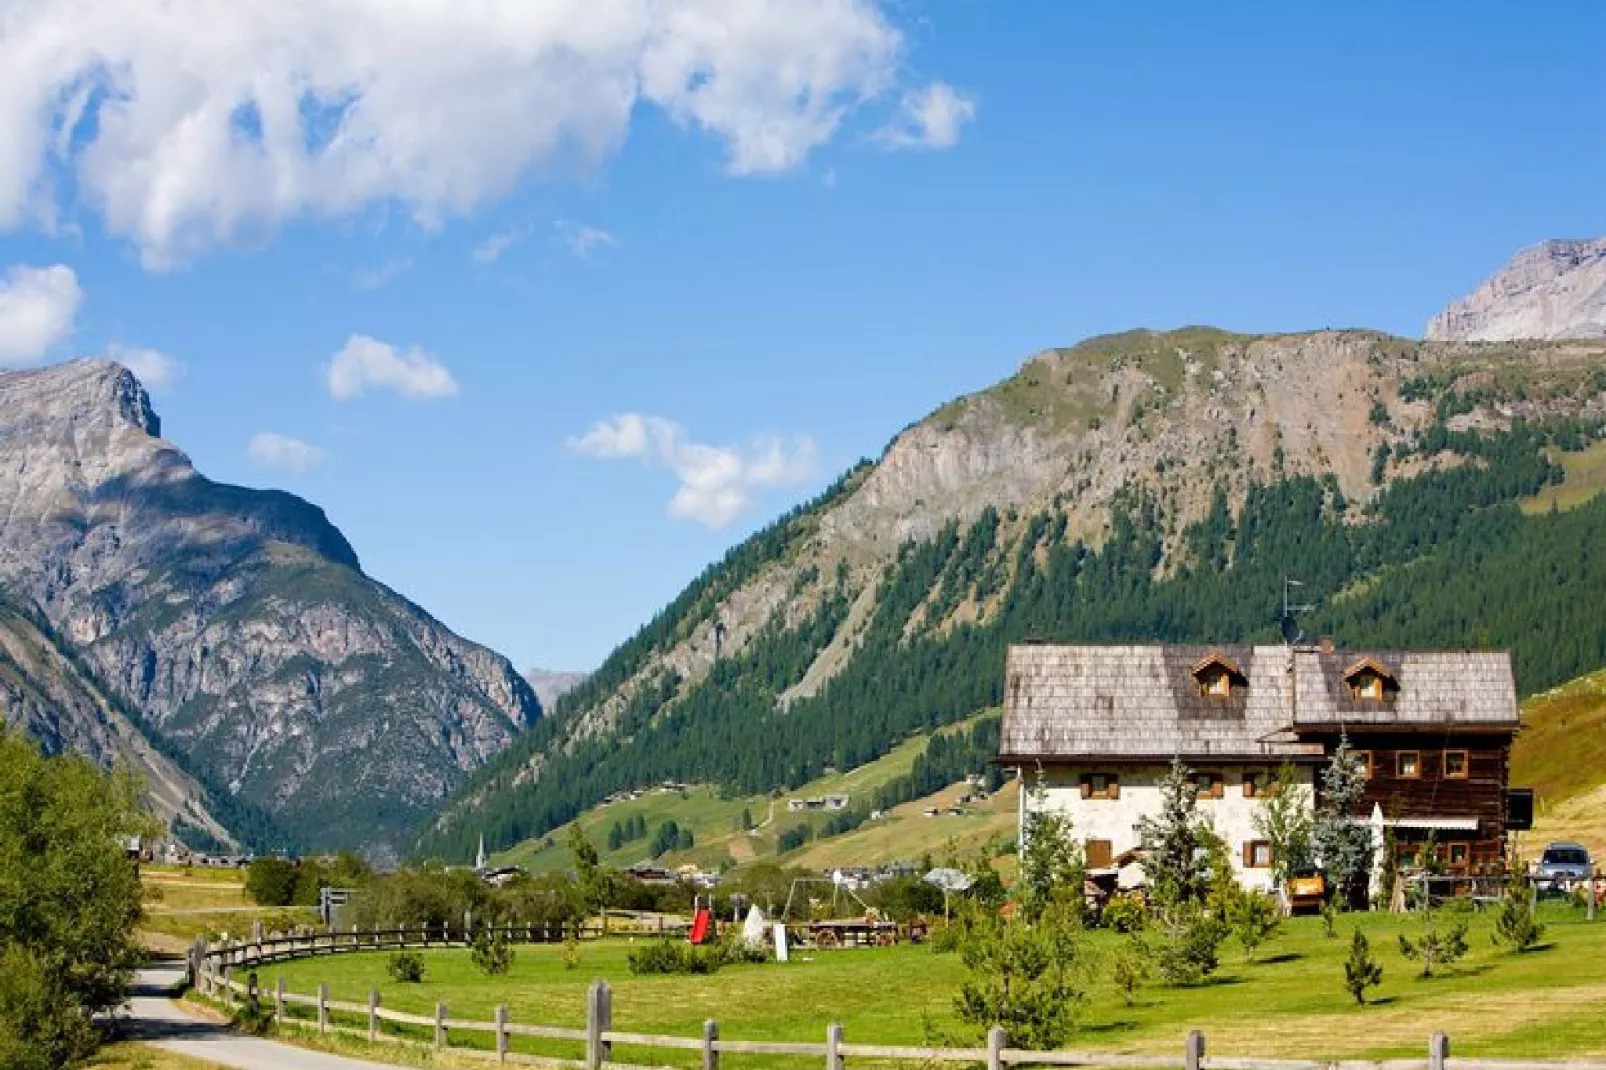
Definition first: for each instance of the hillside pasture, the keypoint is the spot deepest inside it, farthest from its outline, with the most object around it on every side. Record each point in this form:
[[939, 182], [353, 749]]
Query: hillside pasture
[[1561, 753], [1291, 1003], [181, 903]]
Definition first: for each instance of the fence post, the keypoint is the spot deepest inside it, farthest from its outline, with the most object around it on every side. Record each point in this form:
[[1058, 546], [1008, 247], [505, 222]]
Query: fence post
[[501, 1032], [1438, 1051], [278, 998], [1193, 1053], [995, 1048], [440, 1026], [710, 1038], [228, 986], [323, 1008], [599, 1019], [373, 1015], [1589, 897], [833, 1046]]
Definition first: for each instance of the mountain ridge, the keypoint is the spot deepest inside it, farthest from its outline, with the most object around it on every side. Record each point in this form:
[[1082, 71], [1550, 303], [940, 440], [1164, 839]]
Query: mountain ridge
[[1554, 289], [1146, 484], [238, 622]]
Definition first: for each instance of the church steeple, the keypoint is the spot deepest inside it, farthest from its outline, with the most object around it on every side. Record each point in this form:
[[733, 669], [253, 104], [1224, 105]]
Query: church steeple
[[479, 858]]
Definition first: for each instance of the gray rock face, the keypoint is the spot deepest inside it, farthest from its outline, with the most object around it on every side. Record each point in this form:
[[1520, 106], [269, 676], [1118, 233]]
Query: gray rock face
[[1556, 289], [237, 622], [552, 684]]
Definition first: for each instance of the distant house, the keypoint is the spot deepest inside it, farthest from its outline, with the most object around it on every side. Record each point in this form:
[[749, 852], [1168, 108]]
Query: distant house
[[1102, 723], [836, 802], [649, 874], [796, 805]]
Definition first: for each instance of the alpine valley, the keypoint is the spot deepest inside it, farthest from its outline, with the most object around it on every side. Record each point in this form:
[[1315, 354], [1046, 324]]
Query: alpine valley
[[1146, 486], [222, 641]]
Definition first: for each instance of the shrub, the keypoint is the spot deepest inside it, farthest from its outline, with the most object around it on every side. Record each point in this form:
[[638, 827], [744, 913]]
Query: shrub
[[1515, 925], [1361, 972], [251, 1016], [1126, 913], [1130, 968], [674, 956], [406, 967], [271, 881]]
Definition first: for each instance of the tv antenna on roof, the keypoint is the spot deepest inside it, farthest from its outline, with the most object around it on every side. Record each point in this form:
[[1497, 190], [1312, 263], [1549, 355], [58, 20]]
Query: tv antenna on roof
[[1293, 634]]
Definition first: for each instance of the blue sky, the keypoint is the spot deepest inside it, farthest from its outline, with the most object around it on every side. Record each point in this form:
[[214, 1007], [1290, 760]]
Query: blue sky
[[775, 271]]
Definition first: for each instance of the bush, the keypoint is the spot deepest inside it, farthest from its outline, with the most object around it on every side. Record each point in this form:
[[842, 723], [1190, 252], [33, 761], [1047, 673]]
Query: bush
[[271, 881], [674, 956], [406, 967], [1255, 918], [1127, 913], [1022, 977]]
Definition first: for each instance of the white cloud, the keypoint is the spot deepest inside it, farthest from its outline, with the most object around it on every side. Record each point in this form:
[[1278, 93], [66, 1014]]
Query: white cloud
[[929, 118], [156, 370], [491, 249], [273, 450], [581, 239], [186, 123], [717, 483], [37, 310], [369, 279], [366, 364]]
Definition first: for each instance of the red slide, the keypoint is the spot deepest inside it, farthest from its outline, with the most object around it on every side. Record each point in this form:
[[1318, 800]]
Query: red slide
[[702, 925]]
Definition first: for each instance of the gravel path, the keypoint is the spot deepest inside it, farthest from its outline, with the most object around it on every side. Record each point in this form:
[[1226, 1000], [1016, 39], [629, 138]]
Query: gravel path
[[156, 1019]]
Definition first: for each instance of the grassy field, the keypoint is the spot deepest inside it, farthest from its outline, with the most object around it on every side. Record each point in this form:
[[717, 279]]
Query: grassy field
[[1586, 477], [183, 903], [1291, 1003], [1561, 752], [714, 822]]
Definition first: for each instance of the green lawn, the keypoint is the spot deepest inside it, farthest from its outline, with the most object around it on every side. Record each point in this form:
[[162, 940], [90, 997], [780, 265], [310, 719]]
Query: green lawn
[[1546, 1003]]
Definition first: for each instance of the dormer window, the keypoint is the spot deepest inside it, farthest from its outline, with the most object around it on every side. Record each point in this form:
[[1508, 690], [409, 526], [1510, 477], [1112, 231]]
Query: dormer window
[[1218, 677], [1369, 681]]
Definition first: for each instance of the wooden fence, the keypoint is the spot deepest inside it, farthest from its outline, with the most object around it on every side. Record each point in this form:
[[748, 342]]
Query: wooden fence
[[599, 1037], [215, 977]]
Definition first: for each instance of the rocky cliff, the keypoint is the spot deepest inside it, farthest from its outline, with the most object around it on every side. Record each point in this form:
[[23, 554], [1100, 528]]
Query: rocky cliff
[[1556, 289], [550, 685], [1102, 493], [237, 622]]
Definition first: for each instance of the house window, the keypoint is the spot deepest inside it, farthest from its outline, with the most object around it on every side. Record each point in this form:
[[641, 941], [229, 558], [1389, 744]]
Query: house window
[[1460, 853], [1455, 764], [1408, 764], [1217, 676], [1257, 854], [1099, 854], [1367, 687], [1209, 785], [1101, 786], [1261, 783], [1365, 757]]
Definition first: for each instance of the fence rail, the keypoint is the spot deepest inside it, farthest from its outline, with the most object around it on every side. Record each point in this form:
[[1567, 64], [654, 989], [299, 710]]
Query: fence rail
[[217, 980]]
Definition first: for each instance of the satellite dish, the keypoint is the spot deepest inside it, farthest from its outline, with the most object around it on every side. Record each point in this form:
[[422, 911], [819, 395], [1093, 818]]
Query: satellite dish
[[1292, 632]]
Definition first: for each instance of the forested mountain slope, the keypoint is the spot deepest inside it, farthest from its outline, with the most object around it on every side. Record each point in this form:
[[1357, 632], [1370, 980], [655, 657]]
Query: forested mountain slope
[[235, 624], [1145, 486]]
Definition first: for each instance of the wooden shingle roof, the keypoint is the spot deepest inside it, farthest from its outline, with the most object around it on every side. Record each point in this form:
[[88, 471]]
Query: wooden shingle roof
[[1139, 702]]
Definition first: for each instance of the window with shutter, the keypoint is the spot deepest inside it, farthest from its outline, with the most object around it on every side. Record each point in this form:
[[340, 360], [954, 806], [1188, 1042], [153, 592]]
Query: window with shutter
[[1099, 854]]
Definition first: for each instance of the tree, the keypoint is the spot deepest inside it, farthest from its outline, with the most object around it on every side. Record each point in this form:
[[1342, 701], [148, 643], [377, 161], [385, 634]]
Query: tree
[[1175, 861], [1433, 947], [1361, 971], [1186, 941], [595, 882], [1284, 819], [1052, 868], [69, 901], [491, 952], [271, 881], [1129, 968], [1022, 977], [1515, 926], [1255, 918], [1343, 843]]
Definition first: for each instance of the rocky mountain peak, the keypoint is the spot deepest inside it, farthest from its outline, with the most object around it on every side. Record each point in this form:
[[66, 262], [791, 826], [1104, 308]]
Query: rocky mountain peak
[[1553, 290]]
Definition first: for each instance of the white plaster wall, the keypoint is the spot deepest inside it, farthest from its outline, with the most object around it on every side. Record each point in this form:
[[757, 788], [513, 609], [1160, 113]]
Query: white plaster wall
[[1232, 816]]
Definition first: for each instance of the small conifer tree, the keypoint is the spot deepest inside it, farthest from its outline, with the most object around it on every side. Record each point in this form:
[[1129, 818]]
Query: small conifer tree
[[1515, 926], [1361, 971]]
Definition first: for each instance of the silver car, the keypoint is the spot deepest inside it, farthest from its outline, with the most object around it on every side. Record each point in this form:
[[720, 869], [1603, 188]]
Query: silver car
[[1561, 864]]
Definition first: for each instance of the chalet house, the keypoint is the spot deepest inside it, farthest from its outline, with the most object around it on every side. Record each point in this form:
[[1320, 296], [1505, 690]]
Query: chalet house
[[1101, 724]]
